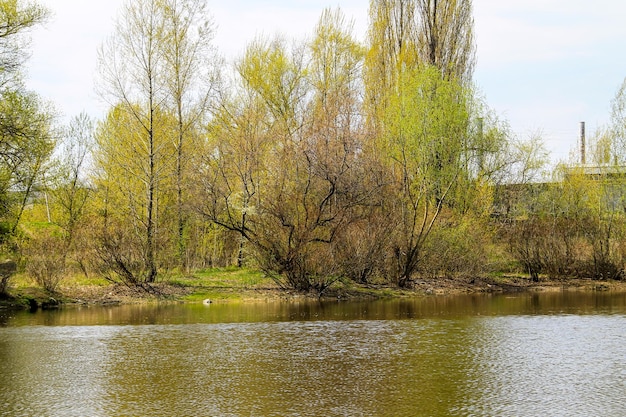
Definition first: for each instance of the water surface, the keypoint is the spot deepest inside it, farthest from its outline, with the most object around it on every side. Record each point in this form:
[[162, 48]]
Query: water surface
[[526, 355]]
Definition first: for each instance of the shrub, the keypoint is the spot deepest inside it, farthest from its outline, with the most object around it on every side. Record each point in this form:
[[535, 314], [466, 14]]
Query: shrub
[[7, 270], [360, 250], [457, 249], [45, 261]]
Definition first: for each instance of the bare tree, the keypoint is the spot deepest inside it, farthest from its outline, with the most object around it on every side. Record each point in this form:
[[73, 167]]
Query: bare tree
[[132, 75], [191, 65]]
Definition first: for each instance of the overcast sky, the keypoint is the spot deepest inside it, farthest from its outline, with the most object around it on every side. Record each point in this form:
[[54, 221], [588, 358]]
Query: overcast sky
[[543, 65]]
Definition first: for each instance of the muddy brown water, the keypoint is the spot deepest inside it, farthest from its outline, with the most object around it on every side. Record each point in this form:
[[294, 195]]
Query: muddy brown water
[[522, 355]]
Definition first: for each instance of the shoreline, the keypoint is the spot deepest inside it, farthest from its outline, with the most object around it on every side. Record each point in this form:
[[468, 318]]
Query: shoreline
[[116, 294]]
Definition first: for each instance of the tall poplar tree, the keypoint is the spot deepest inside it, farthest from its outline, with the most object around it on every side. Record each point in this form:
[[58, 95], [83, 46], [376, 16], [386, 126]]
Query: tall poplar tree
[[408, 33], [445, 37]]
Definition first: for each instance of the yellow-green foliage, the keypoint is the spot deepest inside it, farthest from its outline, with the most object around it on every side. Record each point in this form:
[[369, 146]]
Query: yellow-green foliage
[[458, 248], [574, 228]]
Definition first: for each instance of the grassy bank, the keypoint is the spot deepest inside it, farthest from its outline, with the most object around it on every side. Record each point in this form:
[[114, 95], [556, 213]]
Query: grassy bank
[[234, 284]]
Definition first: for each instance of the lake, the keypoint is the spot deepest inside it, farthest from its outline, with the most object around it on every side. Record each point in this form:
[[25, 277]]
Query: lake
[[482, 355]]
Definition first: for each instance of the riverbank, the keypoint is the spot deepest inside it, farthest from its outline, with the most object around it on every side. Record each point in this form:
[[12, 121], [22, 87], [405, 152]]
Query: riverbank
[[228, 285]]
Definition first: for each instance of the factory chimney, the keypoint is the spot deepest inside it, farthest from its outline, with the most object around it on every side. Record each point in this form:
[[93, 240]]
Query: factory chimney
[[583, 158]]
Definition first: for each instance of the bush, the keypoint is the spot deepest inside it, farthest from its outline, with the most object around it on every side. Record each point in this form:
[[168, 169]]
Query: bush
[[45, 261], [7, 270], [568, 247], [308, 268], [457, 249], [120, 258], [360, 250]]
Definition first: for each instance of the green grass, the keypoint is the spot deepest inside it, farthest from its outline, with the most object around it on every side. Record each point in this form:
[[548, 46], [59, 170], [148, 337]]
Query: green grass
[[223, 278], [221, 283], [218, 284], [226, 284]]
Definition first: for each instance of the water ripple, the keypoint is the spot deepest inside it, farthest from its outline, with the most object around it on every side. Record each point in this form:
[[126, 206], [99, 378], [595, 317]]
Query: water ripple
[[467, 365]]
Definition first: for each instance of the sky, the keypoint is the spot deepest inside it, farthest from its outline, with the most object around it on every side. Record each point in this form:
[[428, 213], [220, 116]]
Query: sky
[[542, 65]]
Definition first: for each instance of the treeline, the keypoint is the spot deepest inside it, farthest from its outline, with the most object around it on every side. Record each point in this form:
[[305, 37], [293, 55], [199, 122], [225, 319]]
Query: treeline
[[313, 160], [572, 228]]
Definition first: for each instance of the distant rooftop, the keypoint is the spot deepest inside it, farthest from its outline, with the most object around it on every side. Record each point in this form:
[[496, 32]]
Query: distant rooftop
[[607, 170]]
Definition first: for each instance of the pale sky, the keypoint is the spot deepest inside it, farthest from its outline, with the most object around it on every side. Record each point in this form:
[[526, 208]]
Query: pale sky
[[543, 65]]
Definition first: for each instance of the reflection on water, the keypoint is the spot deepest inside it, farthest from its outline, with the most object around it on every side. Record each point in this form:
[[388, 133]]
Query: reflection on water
[[539, 354], [428, 307]]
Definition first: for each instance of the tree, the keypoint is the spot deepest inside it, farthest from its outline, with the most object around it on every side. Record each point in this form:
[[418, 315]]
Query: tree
[[131, 68], [336, 76], [135, 177], [26, 137], [391, 46], [603, 149], [426, 125], [192, 77], [286, 172], [26, 143], [16, 19], [404, 34], [251, 172], [47, 250], [615, 136], [235, 163], [160, 69], [25, 122], [70, 187], [445, 37]]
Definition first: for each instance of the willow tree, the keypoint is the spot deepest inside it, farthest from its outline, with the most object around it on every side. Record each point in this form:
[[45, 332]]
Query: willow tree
[[285, 171], [426, 125], [234, 166], [333, 147], [335, 71], [251, 175], [339, 149], [254, 122]]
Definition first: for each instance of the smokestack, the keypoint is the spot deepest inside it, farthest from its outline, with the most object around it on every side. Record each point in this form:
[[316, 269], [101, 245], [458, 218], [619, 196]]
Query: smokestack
[[583, 159]]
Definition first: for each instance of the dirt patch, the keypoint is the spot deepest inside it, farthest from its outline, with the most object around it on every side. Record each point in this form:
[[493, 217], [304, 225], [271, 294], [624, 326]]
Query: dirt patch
[[515, 283], [123, 294]]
